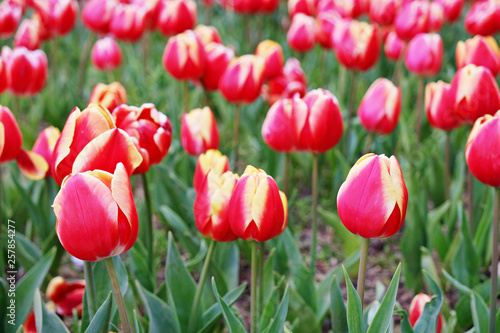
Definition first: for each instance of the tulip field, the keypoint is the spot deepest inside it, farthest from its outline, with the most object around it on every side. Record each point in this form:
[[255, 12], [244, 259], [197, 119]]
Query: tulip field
[[261, 166]]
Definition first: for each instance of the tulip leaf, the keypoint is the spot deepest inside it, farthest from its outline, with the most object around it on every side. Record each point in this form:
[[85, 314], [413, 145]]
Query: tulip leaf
[[267, 284], [337, 308], [354, 309], [405, 323], [100, 322], [137, 325], [234, 325], [27, 253], [46, 321], [428, 320], [480, 313], [139, 266], [271, 305], [103, 283], [278, 322], [350, 241]]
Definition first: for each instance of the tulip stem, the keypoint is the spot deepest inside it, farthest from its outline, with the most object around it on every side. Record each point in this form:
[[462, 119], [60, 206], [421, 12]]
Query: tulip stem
[[199, 289], [314, 214], [82, 66], [470, 200], [236, 134], [253, 290], [90, 288], [341, 83], [351, 112], [447, 176], [186, 96], [494, 264], [118, 295], [206, 98], [148, 226], [260, 295], [369, 143], [362, 270], [286, 174], [420, 97], [398, 71], [146, 50]]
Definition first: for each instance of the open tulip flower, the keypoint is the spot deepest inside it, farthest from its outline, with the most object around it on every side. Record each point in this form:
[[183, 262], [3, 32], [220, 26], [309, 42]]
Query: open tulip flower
[[213, 161], [177, 16], [273, 55], [439, 106], [184, 56], [11, 138], [242, 81], [480, 51], [106, 54], [199, 131], [372, 201], [218, 58], [417, 308], [97, 15], [10, 16], [483, 18], [301, 35], [96, 214], [108, 95], [424, 55], [290, 82], [66, 296], [128, 22]]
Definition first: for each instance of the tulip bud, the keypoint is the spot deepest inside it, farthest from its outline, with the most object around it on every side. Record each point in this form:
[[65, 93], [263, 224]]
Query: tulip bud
[[96, 214], [436, 17], [325, 22], [213, 161], [97, 15], [207, 34], [425, 55], [439, 106], [273, 55], [394, 46], [483, 18], [475, 93], [301, 35], [63, 15], [218, 58], [108, 95], [66, 296], [184, 57], [412, 19], [300, 6], [128, 22], [199, 131], [417, 308], [452, 9], [177, 16], [258, 210], [106, 54], [26, 70], [243, 79], [29, 325], [384, 12], [372, 201], [11, 138], [291, 81], [380, 108], [211, 206], [10, 16], [28, 34], [480, 51]]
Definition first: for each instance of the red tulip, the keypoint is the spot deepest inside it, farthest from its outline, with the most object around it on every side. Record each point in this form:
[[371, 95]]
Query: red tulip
[[108, 95], [372, 201], [57, 17], [213, 161], [268, 6], [425, 55], [128, 22], [241, 6], [436, 17], [417, 308], [29, 325], [11, 138], [106, 54], [258, 210], [28, 34], [300, 6], [199, 131], [211, 206], [66, 296], [452, 9], [10, 16], [439, 106], [412, 19], [150, 130], [97, 15], [480, 51], [483, 18], [350, 9], [4, 83], [207, 34], [301, 35], [177, 16], [380, 108], [384, 12], [218, 58], [273, 55], [243, 79], [96, 214], [291, 81], [475, 93], [325, 22], [26, 70], [394, 46], [184, 56]]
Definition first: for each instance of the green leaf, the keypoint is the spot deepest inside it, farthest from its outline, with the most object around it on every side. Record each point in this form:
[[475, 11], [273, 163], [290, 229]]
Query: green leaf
[[337, 309], [383, 317], [137, 325], [427, 322], [405, 323], [139, 266], [278, 322], [103, 283], [354, 309], [28, 254], [267, 283], [234, 325], [100, 322], [46, 321], [480, 313], [351, 242]]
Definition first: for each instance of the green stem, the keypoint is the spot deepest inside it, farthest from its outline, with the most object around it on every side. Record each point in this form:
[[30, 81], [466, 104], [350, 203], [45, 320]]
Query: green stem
[[82, 66], [494, 264], [260, 294], [148, 226], [2, 259], [341, 83], [186, 96], [236, 134], [146, 51], [398, 71], [199, 289], [315, 214], [362, 269], [90, 288], [253, 288], [118, 295], [286, 174], [420, 99], [369, 142], [447, 176], [206, 99], [351, 112], [470, 200]]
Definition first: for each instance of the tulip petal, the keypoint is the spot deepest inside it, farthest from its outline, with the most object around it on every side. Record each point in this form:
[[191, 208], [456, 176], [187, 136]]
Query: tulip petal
[[32, 165], [240, 216]]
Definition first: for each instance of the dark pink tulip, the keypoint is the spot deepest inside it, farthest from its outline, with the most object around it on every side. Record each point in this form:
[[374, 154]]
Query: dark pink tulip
[[425, 55], [128, 22], [301, 35], [97, 15], [273, 55], [28, 34], [325, 22], [10, 16], [26, 70], [242, 81], [483, 18], [300, 6], [177, 16], [106, 54], [439, 106], [207, 34], [394, 46], [481, 51], [412, 19], [384, 12], [452, 9]]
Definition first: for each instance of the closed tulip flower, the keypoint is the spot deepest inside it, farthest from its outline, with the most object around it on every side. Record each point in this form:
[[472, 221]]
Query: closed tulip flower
[[218, 58], [28, 34], [4, 83], [10, 16], [106, 54], [325, 23], [412, 19], [290, 82], [258, 210], [177, 16], [29, 325], [301, 35], [211, 160], [483, 18], [199, 131], [207, 34], [108, 95], [372, 201], [436, 17], [66, 296], [425, 55], [475, 93], [128, 22], [11, 138], [184, 56], [273, 55], [452, 9], [300, 6], [417, 308], [97, 15], [96, 214], [268, 6], [211, 206], [480, 51], [394, 46], [242, 81], [26, 70], [149, 129], [380, 108], [439, 106], [62, 17], [384, 12]]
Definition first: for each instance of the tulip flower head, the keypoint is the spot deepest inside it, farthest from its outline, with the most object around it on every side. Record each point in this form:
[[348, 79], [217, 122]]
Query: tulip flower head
[[452, 9], [242, 81], [10, 16], [301, 35], [425, 55], [290, 82], [128, 22], [207, 34], [273, 55], [384, 12], [66, 296], [325, 22], [11, 138], [177, 16], [61, 18], [29, 325], [97, 15], [300, 6], [483, 18], [218, 58], [412, 19], [96, 214], [106, 54], [28, 34], [372, 201], [480, 51], [184, 56], [394, 46], [439, 106], [417, 308], [212, 160], [108, 95], [199, 131]]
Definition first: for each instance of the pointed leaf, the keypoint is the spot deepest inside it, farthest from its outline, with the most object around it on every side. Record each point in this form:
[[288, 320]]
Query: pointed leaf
[[427, 322], [354, 309], [480, 313], [278, 322], [100, 322], [337, 309], [234, 325], [405, 323], [46, 321]]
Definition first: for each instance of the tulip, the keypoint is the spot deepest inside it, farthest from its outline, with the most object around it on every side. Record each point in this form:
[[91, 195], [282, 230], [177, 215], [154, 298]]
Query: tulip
[[199, 131], [480, 51], [177, 16], [87, 136], [26, 70], [436, 17], [412, 19], [211, 206], [325, 22], [218, 58], [4, 83], [483, 18], [291, 81], [10, 16], [66, 296], [152, 10], [425, 55], [273, 55], [417, 308], [372, 201], [439, 106], [207, 34], [128, 22], [62, 17], [268, 6], [96, 214], [452, 9], [97, 15], [108, 95], [394, 46], [350, 8], [11, 138], [243, 79], [29, 325], [106, 54], [380, 108], [475, 93], [150, 130], [300, 6], [301, 35], [384, 12], [28, 34], [184, 56], [212, 161]]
